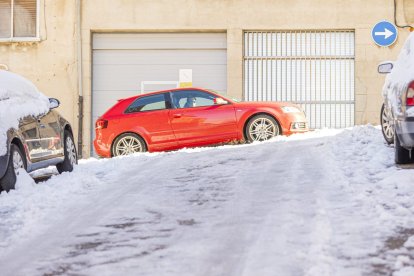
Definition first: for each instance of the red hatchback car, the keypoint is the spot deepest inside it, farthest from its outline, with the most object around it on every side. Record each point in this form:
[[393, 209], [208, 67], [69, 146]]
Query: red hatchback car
[[190, 117]]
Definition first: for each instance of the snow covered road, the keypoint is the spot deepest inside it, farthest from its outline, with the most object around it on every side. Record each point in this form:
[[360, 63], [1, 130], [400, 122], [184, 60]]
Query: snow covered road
[[330, 202]]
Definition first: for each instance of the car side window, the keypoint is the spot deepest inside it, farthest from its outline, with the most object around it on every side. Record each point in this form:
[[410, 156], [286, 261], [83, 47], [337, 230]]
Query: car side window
[[148, 103], [192, 98]]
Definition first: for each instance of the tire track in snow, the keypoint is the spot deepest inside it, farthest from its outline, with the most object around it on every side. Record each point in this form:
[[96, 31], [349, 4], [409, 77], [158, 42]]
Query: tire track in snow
[[271, 212], [76, 215], [121, 205], [298, 223]]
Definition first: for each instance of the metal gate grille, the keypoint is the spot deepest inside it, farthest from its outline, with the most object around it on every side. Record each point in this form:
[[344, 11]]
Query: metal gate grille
[[314, 69]]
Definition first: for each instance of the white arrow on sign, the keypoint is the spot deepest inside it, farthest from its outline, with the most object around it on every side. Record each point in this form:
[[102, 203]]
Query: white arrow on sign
[[386, 33]]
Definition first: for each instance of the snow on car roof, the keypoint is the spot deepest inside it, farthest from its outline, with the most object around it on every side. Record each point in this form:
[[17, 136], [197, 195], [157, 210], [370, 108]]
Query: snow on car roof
[[18, 98], [403, 70], [401, 75]]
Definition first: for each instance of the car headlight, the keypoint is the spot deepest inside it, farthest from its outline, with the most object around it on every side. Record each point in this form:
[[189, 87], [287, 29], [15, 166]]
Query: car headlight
[[291, 109]]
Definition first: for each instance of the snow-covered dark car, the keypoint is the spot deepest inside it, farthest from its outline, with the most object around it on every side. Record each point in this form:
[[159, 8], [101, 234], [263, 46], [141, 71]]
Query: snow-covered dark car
[[32, 134], [397, 112], [38, 142]]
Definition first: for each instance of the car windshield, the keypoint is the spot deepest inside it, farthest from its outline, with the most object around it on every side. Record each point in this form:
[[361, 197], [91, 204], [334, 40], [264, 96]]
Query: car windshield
[[216, 92]]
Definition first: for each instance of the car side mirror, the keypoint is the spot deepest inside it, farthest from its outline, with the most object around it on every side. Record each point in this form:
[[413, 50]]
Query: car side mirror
[[385, 67], [54, 103], [220, 101]]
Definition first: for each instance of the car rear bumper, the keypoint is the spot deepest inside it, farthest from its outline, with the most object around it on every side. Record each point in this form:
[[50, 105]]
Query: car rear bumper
[[102, 149], [3, 164], [405, 131]]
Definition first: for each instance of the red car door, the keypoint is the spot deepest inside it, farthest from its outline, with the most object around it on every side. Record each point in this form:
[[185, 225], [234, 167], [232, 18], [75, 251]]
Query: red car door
[[149, 116], [196, 120]]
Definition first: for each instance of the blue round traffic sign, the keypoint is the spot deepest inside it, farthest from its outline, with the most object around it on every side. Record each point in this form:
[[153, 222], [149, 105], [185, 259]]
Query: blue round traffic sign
[[384, 33]]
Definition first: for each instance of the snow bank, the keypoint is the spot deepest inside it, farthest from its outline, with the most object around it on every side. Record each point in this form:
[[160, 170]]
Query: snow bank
[[18, 98], [401, 75]]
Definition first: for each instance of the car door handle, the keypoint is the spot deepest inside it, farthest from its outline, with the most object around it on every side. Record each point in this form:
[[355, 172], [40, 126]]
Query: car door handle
[[177, 115]]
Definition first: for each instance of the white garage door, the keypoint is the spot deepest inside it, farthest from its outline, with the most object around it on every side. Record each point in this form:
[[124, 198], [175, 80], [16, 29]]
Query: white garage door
[[314, 69], [122, 61]]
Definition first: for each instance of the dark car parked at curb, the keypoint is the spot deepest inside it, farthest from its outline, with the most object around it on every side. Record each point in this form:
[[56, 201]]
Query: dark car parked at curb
[[39, 142]]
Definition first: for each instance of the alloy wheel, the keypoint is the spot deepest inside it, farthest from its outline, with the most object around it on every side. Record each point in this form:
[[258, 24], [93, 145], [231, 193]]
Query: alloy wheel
[[71, 151], [262, 129], [387, 124], [128, 145]]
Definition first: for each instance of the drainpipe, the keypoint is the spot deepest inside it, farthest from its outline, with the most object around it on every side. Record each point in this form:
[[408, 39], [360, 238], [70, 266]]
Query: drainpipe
[[80, 76]]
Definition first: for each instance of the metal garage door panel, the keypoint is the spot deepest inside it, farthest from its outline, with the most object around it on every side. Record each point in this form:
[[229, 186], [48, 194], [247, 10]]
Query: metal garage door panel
[[136, 66], [160, 41], [129, 77], [146, 57]]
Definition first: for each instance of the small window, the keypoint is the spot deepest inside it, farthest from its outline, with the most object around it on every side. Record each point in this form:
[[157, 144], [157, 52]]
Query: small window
[[192, 98], [153, 102], [18, 19]]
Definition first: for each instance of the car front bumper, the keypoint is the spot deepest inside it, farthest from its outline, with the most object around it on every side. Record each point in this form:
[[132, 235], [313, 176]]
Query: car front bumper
[[295, 123], [299, 127], [405, 130]]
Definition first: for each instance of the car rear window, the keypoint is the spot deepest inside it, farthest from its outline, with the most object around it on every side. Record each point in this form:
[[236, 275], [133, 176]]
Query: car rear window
[[148, 103]]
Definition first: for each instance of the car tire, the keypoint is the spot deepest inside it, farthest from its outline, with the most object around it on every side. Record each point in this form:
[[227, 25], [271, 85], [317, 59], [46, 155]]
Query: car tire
[[71, 156], [402, 155], [261, 127], [128, 143], [16, 161], [387, 125]]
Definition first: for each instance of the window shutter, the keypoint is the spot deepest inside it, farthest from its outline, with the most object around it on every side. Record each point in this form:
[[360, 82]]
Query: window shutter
[[25, 12], [5, 18]]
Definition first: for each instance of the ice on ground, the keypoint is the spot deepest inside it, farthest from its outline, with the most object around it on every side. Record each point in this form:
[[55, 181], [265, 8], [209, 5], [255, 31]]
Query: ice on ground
[[406, 271], [329, 202], [410, 243], [18, 98]]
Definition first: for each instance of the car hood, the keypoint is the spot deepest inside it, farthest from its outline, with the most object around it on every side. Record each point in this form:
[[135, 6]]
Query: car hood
[[265, 104]]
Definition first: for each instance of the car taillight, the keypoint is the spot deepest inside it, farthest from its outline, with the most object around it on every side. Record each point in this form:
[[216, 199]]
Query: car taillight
[[410, 95], [101, 124]]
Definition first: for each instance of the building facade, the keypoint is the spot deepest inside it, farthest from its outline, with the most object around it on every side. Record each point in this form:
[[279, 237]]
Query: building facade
[[317, 53]]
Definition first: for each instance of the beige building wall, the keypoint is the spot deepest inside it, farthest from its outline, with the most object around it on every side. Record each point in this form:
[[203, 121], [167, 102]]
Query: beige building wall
[[51, 63]]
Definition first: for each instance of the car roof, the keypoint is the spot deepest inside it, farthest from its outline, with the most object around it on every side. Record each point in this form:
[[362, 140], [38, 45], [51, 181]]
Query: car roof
[[168, 90]]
